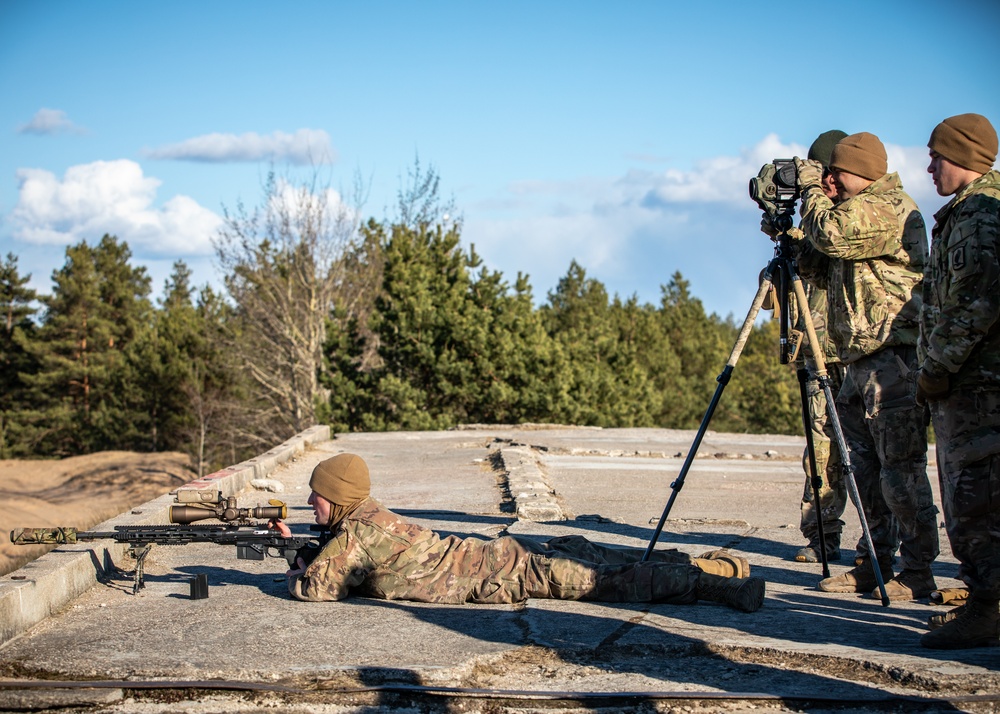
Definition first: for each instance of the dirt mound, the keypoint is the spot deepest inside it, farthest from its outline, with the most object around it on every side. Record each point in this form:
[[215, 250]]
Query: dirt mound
[[80, 491]]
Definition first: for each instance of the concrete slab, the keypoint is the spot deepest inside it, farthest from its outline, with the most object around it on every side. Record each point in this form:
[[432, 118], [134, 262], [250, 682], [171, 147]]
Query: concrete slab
[[804, 647]]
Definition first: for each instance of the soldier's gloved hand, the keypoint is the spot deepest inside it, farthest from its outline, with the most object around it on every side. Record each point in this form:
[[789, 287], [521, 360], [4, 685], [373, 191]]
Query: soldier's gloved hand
[[930, 388], [808, 173], [767, 227]]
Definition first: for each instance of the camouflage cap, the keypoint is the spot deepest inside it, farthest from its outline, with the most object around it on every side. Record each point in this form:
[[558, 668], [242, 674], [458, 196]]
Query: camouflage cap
[[342, 480], [860, 154], [822, 148], [968, 140]]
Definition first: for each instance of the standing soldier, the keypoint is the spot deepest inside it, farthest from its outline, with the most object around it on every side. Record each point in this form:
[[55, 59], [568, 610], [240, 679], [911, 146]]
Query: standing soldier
[[833, 491], [876, 241], [960, 368]]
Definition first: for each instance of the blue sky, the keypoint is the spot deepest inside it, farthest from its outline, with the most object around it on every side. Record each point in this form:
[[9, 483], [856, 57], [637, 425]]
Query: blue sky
[[621, 135]]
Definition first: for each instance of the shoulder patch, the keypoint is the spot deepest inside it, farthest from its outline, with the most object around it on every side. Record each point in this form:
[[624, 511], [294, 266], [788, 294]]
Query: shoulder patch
[[956, 259]]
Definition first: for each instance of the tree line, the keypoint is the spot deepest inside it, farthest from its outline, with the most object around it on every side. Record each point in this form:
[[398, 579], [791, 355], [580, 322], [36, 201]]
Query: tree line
[[363, 325]]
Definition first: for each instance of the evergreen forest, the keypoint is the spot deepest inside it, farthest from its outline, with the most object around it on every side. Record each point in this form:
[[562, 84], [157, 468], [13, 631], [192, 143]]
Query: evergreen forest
[[364, 325]]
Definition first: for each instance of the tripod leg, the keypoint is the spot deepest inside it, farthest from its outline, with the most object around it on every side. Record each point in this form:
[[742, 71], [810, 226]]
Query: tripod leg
[[814, 477], [723, 380], [824, 380]]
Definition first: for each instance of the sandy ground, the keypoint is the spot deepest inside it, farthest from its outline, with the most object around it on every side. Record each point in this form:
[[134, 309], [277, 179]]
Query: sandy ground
[[79, 492]]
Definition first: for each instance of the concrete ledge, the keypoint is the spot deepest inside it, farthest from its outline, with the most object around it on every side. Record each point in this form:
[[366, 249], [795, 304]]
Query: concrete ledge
[[46, 585], [534, 499]]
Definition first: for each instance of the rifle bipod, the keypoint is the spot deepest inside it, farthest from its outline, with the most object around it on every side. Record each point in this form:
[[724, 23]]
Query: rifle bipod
[[139, 552], [789, 285]]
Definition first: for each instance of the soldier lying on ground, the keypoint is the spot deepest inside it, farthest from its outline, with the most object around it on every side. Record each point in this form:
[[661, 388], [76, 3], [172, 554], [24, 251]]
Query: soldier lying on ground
[[375, 553]]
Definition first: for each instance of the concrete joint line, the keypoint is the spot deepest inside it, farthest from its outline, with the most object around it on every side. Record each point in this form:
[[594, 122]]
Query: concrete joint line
[[534, 499]]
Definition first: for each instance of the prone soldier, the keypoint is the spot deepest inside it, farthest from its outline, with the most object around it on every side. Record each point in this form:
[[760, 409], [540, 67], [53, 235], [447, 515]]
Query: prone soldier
[[375, 553]]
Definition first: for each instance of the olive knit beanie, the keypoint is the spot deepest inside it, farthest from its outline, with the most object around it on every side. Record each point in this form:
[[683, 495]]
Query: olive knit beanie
[[823, 146], [860, 154], [342, 480], [968, 140]]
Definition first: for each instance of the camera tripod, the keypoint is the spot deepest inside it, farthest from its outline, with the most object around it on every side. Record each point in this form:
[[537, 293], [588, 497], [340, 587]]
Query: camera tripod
[[781, 274]]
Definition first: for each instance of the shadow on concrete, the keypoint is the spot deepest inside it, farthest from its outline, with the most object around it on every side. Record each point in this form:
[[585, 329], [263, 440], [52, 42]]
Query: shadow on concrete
[[680, 659], [456, 516]]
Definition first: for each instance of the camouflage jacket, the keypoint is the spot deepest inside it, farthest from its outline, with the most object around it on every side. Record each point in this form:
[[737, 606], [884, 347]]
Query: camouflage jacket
[[817, 300], [375, 553], [877, 246], [960, 322]]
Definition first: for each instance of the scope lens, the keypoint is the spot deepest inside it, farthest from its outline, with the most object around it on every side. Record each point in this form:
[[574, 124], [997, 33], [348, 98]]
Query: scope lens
[[786, 175]]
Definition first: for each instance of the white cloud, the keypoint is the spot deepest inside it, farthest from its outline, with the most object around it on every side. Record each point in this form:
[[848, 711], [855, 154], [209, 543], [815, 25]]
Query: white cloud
[[109, 197], [910, 163], [724, 179], [49, 121], [717, 179], [303, 148]]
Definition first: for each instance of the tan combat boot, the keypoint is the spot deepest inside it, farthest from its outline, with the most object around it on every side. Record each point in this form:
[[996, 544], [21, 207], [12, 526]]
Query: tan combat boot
[[859, 579], [724, 563], [909, 585], [977, 625], [744, 594]]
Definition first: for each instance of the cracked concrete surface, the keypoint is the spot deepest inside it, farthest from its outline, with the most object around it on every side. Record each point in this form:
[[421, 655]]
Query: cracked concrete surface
[[804, 650]]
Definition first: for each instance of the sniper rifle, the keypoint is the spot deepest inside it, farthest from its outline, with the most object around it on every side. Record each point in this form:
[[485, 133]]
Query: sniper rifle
[[253, 541]]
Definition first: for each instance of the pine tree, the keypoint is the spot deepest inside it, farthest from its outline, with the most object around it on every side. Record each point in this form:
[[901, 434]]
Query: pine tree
[[419, 314], [16, 363], [701, 344], [765, 395], [97, 305], [216, 430], [520, 363], [602, 384]]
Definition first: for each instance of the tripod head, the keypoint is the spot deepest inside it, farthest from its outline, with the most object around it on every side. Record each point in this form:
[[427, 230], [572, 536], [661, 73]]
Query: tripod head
[[782, 271]]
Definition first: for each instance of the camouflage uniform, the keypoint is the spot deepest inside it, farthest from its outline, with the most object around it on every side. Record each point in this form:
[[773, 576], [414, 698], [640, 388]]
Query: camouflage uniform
[[960, 338], [876, 246], [833, 491], [375, 553]]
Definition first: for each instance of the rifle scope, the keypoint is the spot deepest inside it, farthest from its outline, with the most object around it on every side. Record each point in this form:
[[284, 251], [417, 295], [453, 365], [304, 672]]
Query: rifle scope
[[225, 512]]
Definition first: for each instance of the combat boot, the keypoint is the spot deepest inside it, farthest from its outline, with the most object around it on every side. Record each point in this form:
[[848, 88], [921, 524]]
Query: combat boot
[[724, 563], [977, 625], [744, 594], [810, 554], [859, 579], [909, 585]]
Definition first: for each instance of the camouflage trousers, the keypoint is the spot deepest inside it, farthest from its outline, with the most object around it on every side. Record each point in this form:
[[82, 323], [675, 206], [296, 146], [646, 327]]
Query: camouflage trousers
[[829, 466], [886, 433], [574, 568], [967, 428]]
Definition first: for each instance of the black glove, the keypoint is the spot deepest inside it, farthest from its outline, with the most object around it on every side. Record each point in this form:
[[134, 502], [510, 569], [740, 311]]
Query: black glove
[[931, 388]]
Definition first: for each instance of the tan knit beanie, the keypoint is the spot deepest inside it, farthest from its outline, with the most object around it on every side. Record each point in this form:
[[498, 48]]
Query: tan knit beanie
[[342, 480], [860, 154], [968, 140]]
